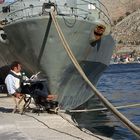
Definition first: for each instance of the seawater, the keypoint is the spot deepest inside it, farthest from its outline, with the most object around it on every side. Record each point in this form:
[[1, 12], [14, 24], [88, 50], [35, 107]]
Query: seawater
[[120, 84]]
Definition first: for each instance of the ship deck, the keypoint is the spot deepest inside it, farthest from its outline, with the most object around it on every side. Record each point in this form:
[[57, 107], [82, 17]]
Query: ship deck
[[32, 126]]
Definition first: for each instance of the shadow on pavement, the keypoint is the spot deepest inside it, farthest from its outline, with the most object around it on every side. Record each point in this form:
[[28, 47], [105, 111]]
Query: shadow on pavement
[[5, 110]]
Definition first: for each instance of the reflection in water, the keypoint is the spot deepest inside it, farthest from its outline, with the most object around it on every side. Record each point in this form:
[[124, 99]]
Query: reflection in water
[[96, 121]]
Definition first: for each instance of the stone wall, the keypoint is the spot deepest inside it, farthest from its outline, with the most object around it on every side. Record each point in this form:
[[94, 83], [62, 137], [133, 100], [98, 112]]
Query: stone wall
[[127, 32], [118, 8]]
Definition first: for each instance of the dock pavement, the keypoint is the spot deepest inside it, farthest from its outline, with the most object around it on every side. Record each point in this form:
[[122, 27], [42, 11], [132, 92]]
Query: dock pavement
[[31, 126]]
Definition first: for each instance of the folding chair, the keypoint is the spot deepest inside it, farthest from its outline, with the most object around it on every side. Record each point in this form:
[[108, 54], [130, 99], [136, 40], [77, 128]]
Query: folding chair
[[27, 101], [35, 89]]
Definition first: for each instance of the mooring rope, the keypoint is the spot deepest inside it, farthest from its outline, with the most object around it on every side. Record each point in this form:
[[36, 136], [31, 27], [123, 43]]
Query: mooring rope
[[121, 117], [98, 109]]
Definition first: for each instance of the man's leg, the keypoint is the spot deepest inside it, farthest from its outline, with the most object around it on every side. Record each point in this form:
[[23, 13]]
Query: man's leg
[[18, 98], [16, 104]]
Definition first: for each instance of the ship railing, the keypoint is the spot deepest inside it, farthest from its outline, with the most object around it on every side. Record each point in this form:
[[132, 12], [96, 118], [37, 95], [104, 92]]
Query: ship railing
[[103, 12], [29, 14], [24, 13], [64, 10], [106, 12]]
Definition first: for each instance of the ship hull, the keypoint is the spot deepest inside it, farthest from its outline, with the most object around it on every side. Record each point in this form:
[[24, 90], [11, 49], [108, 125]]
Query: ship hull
[[36, 44]]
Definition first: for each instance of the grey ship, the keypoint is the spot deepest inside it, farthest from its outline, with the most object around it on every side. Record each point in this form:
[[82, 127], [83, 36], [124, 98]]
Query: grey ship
[[28, 34]]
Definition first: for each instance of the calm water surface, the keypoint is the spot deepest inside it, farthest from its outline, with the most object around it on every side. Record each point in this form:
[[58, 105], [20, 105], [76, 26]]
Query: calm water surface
[[120, 84]]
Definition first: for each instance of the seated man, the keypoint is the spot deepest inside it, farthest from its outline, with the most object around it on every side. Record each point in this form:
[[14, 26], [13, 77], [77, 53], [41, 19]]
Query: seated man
[[37, 90], [13, 81]]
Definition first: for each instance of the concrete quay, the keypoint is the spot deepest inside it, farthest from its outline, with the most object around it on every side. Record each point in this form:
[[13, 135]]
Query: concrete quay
[[32, 126]]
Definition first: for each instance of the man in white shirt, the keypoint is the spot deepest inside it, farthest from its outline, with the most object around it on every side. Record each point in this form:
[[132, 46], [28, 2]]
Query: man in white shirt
[[13, 82]]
